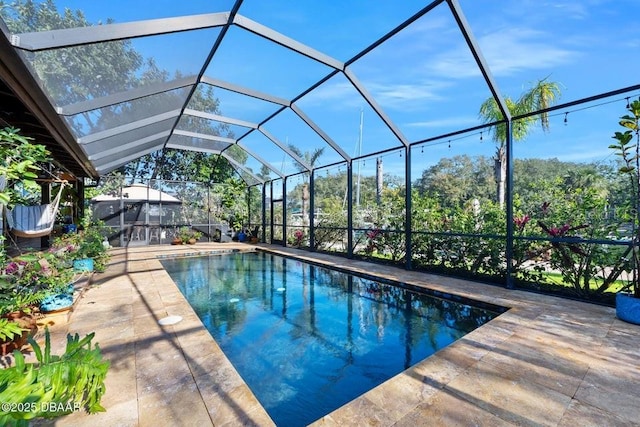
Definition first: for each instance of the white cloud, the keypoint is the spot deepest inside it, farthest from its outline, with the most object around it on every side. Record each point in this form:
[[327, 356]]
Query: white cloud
[[407, 92], [578, 10], [342, 95], [506, 52]]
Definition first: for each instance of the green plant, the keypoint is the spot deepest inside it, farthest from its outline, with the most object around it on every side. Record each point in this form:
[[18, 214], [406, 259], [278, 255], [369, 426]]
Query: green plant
[[26, 279], [18, 161], [87, 243], [24, 282], [9, 330], [55, 385], [185, 234], [627, 146], [43, 271]]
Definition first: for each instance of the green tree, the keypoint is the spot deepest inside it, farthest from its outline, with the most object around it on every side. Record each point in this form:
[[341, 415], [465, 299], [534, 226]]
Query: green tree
[[68, 74], [539, 97], [454, 181], [537, 181], [310, 159]]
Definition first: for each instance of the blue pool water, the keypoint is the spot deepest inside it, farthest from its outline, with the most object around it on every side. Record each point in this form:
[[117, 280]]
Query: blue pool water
[[307, 339]]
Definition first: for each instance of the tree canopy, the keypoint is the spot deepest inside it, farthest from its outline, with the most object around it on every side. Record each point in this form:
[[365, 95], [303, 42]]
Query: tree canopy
[[116, 67]]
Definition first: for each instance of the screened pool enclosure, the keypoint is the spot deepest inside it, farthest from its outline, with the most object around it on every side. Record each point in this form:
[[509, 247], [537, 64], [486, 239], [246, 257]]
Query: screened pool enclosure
[[464, 137]]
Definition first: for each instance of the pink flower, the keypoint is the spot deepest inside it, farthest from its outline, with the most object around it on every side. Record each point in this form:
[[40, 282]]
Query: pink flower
[[12, 268], [559, 231], [372, 234], [520, 222]]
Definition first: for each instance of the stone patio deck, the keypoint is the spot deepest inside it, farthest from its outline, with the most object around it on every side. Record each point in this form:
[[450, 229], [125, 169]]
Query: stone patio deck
[[547, 361]]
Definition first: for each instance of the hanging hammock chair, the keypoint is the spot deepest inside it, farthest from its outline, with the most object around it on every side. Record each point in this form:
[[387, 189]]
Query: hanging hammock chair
[[34, 221]]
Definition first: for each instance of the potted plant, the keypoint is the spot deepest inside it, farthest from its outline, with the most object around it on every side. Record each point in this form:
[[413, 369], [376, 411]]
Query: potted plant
[[627, 146], [17, 323], [254, 236], [188, 235], [24, 282], [59, 295], [236, 222], [86, 249], [55, 385]]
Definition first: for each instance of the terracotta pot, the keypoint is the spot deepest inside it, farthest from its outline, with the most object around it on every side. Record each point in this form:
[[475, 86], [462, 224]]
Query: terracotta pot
[[192, 241]]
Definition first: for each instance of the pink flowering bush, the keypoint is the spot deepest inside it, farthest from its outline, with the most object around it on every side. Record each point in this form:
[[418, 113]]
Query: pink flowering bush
[[373, 240], [26, 279], [298, 236], [565, 248]]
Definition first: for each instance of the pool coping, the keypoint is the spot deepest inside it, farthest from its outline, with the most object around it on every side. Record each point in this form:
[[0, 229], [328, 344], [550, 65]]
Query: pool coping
[[545, 361]]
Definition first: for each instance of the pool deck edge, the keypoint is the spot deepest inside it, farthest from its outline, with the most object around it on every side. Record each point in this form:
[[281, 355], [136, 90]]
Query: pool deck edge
[[546, 361]]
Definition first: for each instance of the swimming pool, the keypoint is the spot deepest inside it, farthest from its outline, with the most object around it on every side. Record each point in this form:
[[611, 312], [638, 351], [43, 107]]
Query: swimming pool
[[307, 339]]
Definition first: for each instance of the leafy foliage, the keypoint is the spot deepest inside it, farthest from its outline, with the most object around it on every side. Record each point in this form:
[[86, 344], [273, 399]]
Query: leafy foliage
[[55, 385], [627, 147], [19, 159], [86, 243], [9, 329]]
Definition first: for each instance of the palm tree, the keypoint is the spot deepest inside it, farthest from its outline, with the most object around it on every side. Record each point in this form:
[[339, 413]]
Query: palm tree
[[539, 97], [310, 159]]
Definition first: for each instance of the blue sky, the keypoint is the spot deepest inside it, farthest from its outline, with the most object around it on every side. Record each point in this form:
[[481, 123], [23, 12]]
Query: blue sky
[[423, 78]]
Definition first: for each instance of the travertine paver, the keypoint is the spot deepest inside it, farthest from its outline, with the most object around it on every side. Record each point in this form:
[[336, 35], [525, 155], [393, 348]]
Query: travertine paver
[[547, 361]]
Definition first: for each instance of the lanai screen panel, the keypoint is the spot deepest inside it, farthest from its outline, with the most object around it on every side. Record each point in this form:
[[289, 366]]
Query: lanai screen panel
[[290, 129], [236, 105], [132, 114], [339, 29], [112, 144], [96, 70], [584, 49], [191, 123], [113, 161], [126, 11], [195, 143], [419, 73], [435, 86], [282, 161], [341, 111], [250, 162], [584, 46], [269, 67]]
